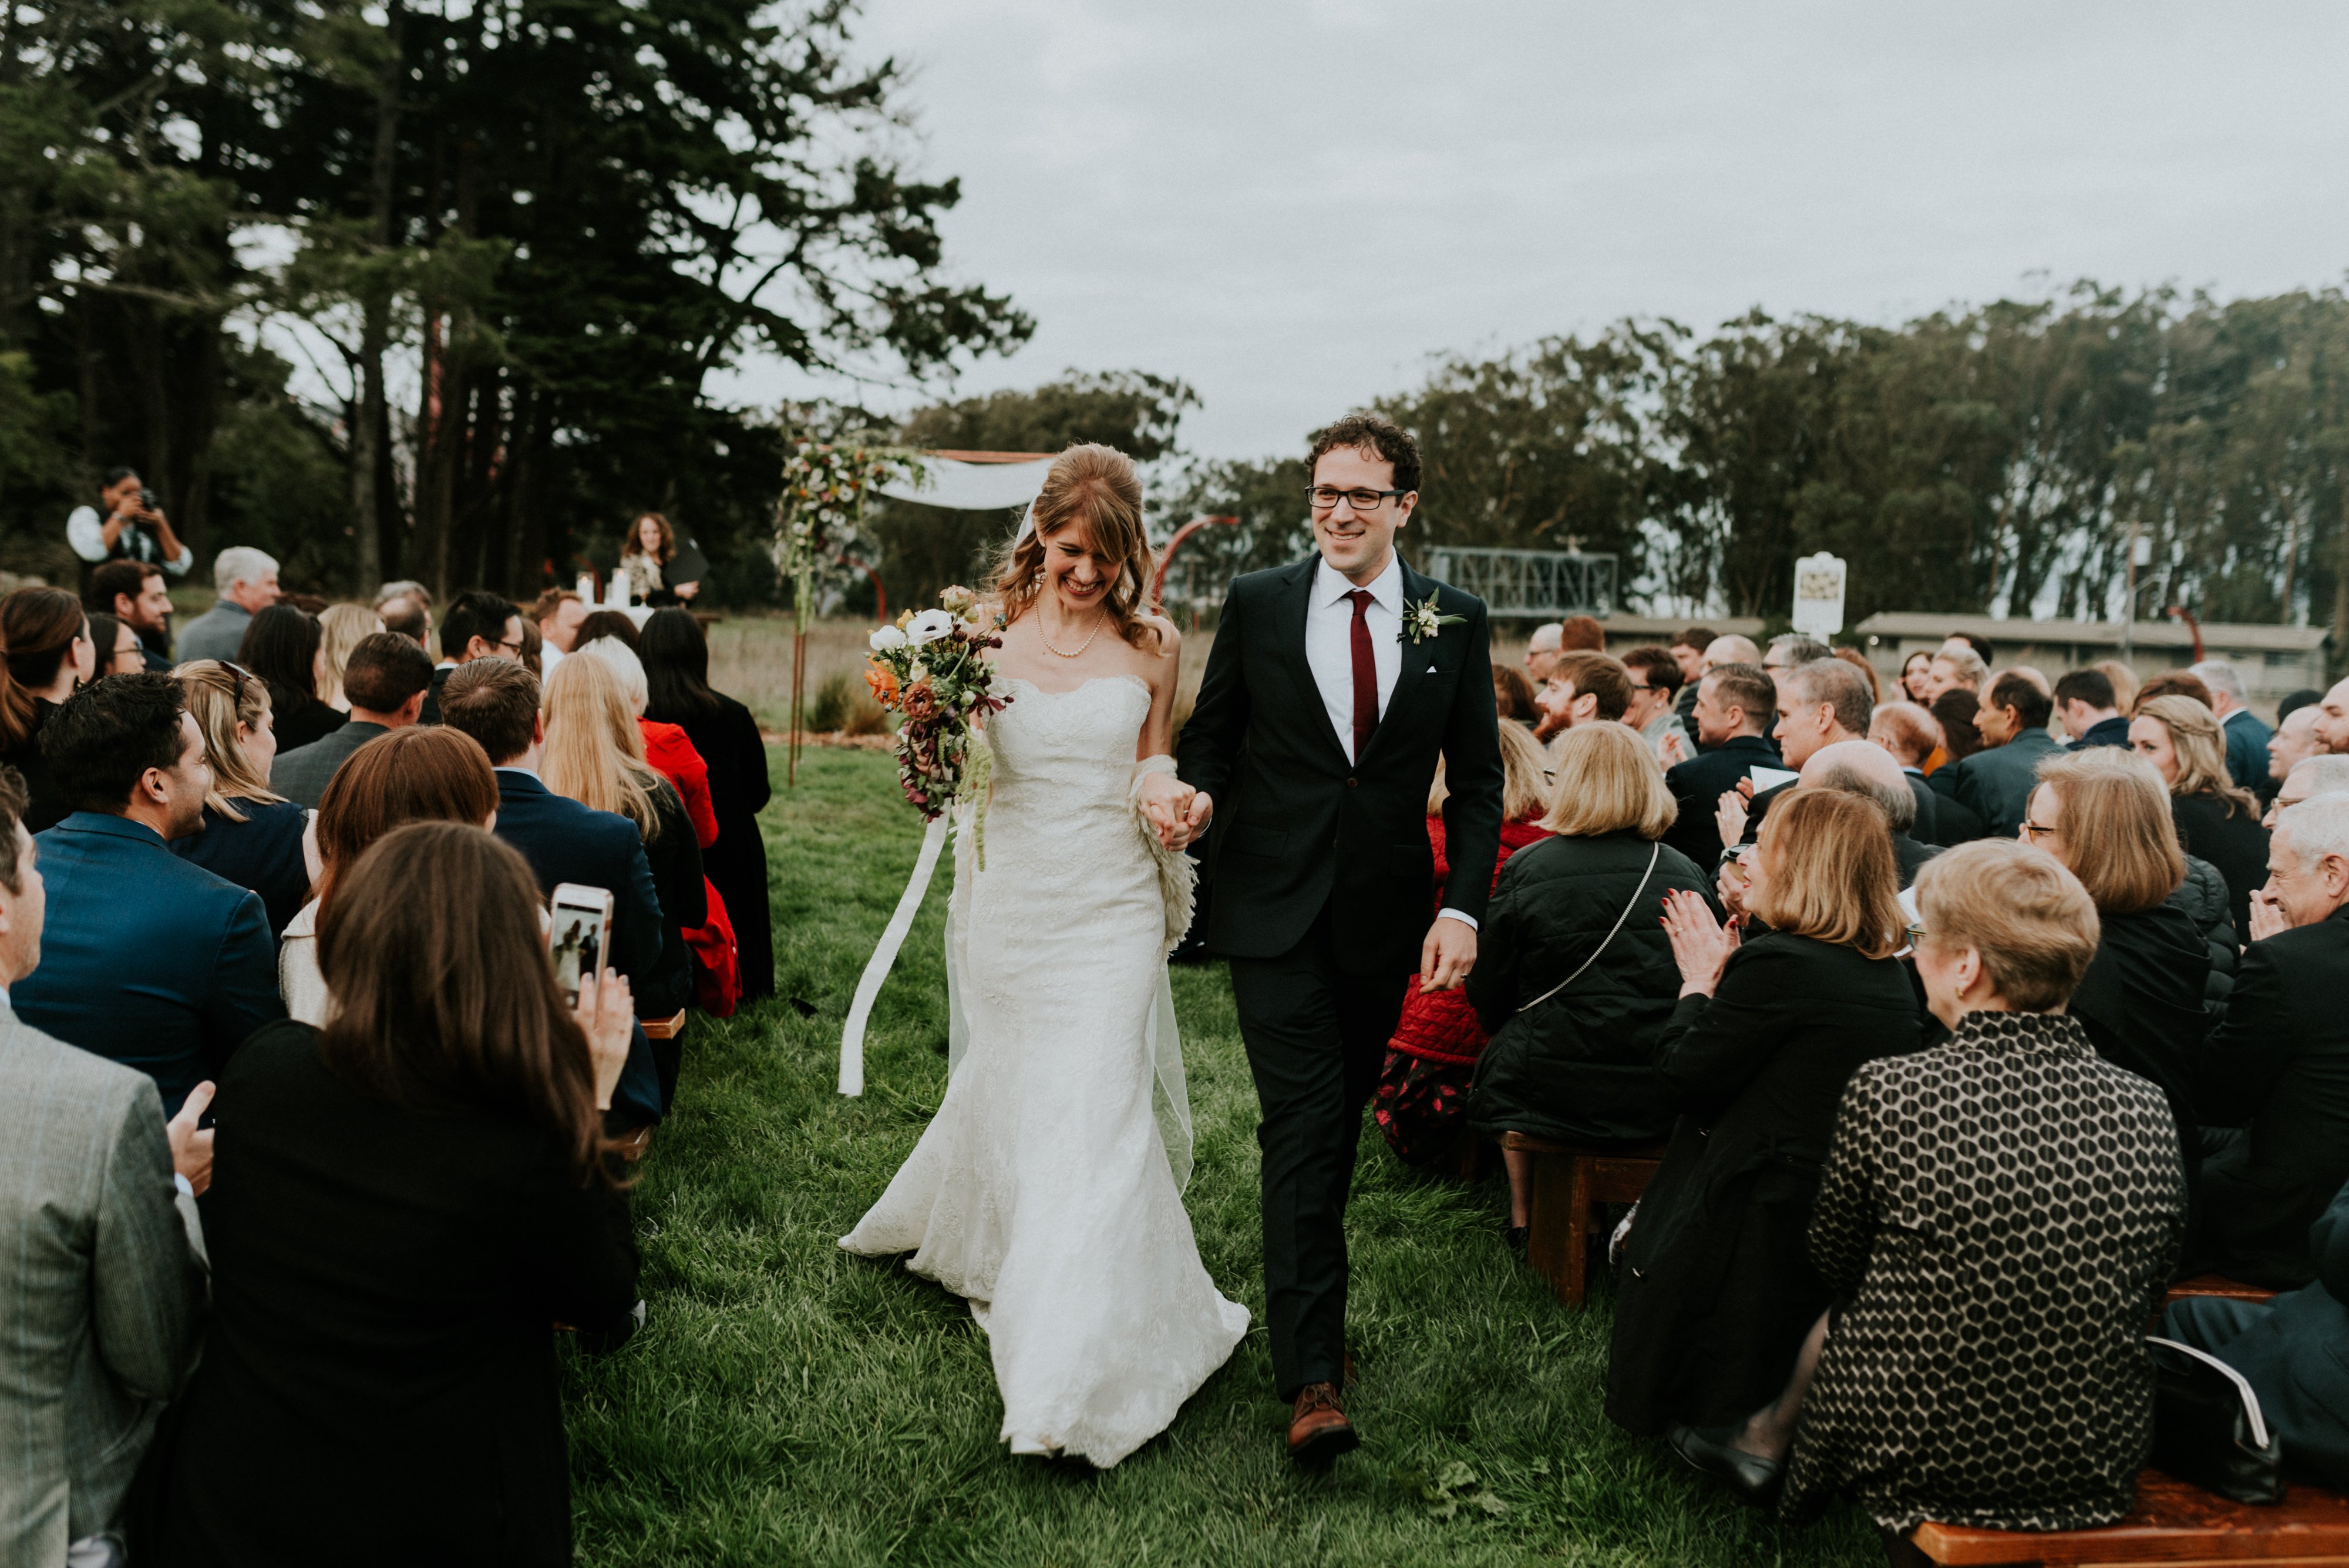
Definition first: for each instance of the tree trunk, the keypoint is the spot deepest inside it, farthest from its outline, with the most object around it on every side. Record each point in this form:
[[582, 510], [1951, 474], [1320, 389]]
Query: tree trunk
[[367, 422]]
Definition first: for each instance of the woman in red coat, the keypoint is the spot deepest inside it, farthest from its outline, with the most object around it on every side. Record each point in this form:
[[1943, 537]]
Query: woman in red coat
[[1434, 1053]]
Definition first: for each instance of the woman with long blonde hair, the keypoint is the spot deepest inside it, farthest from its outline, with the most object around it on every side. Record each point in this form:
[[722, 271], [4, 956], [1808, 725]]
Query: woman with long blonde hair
[[596, 756], [341, 627], [2217, 820], [252, 835]]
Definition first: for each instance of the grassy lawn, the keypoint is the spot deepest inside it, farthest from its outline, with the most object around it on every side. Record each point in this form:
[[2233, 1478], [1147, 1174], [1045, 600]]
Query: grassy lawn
[[791, 1404]]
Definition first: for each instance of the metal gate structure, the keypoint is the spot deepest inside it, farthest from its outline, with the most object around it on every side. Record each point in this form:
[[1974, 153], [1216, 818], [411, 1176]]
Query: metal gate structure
[[1529, 585]]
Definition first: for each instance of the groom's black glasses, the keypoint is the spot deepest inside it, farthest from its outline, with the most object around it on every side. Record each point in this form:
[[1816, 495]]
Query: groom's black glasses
[[1325, 496]]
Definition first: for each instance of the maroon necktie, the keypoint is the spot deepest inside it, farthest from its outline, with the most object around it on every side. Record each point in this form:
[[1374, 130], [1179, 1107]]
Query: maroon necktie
[[1366, 676]]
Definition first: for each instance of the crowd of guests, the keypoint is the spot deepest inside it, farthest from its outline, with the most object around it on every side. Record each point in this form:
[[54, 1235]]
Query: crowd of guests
[[1960, 1043], [307, 1153]]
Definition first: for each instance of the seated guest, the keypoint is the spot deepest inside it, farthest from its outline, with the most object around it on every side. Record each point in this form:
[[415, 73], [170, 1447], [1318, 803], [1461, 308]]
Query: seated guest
[[1990, 1375], [46, 636], [2246, 736], [2124, 679], [247, 581], [250, 836], [611, 623], [1655, 693], [422, 774], [1857, 767], [2104, 813], [2312, 776], [408, 616], [496, 701], [115, 646], [596, 756], [1859, 662], [1437, 1039], [106, 1275], [2090, 716], [557, 612], [148, 959], [385, 678], [666, 746], [341, 628], [2289, 1350], [478, 626], [2217, 820], [1513, 697], [1913, 737], [2294, 741], [1583, 688], [1574, 977], [1996, 781], [1821, 702], [1717, 1291], [676, 669], [284, 647], [404, 1204], [1735, 705], [2279, 1064], [132, 592], [2171, 683]]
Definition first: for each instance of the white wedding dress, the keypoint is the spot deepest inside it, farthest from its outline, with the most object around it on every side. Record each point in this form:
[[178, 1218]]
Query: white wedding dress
[[1047, 1189]]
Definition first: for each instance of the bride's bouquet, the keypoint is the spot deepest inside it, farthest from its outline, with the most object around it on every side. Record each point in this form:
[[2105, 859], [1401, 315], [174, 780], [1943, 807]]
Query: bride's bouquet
[[932, 668]]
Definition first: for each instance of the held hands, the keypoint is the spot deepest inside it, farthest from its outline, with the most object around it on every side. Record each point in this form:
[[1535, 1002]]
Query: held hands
[[1447, 955], [191, 1147], [1700, 947], [1733, 811], [2267, 915], [606, 1015], [1178, 812]]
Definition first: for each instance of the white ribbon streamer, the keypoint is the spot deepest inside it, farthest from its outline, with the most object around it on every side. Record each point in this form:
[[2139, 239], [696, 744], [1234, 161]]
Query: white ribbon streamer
[[885, 958]]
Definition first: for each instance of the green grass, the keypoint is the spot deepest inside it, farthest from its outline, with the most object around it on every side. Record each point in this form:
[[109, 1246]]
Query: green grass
[[789, 1403]]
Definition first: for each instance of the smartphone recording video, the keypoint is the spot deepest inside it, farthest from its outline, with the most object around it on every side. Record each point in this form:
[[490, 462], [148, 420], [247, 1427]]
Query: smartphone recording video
[[578, 937]]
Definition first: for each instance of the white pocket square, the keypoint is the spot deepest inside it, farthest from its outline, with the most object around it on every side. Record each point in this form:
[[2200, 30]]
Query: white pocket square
[[1430, 670]]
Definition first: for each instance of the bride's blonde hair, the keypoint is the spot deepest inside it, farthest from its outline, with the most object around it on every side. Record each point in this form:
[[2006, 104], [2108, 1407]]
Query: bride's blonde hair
[[1095, 488]]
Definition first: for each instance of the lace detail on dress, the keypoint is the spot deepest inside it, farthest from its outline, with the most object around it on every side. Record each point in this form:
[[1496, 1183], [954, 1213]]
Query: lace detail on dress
[[1043, 1190]]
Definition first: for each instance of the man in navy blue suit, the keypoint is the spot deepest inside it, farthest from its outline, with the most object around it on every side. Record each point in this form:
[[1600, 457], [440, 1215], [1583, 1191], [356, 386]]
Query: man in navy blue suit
[[148, 959], [495, 701]]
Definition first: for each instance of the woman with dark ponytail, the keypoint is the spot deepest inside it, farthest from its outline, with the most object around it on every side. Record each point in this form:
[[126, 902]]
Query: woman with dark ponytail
[[46, 636]]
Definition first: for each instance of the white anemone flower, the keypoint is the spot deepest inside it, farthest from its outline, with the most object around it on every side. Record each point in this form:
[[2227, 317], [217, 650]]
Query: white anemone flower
[[886, 638], [929, 626]]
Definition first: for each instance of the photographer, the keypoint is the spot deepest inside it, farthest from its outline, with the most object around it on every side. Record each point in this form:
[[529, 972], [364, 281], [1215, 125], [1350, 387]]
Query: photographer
[[130, 528]]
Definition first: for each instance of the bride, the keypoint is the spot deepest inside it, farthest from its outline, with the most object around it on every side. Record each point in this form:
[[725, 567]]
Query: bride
[[1047, 1189]]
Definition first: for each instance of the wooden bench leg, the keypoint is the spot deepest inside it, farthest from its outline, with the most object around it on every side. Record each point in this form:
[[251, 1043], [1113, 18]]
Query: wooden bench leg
[[1576, 1234], [1553, 1181]]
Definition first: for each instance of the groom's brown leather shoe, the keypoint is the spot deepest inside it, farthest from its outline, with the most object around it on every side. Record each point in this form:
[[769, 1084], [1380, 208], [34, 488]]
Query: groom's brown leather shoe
[[1319, 1432]]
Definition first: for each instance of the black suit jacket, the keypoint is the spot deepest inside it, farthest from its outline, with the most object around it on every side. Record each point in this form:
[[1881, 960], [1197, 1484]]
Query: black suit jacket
[[1697, 784], [1954, 822], [1927, 829], [432, 713], [2279, 1064], [1297, 827]]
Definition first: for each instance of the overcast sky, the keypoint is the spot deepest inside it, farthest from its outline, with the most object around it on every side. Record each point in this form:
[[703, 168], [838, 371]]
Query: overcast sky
[[1294, 204]]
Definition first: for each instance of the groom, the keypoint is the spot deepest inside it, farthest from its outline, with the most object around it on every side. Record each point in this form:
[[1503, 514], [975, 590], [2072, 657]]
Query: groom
[[1330, 693]]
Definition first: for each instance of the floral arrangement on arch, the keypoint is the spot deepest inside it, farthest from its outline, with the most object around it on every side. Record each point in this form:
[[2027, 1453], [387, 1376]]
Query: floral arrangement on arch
[[822, 505], [932, 667]]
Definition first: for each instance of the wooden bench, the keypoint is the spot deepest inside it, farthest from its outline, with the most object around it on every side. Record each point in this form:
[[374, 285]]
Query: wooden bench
[[1570, 1183], [2216, 1285], [2173, 1523], [663, 1028]]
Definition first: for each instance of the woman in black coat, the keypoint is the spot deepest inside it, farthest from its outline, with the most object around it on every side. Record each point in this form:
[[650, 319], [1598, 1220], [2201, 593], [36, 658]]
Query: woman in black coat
[[1717, 1291], [676, 672], [2215, 820], [45, 636], [1574, 977], [282, 646], [252, 836], [403, 1207]]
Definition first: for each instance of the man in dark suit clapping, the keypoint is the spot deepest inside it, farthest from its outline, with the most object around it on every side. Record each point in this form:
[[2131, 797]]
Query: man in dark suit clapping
[[1735, 706]]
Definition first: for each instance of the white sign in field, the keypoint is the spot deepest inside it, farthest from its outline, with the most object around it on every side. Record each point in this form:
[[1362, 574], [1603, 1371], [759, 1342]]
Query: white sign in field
[[1818, 595]]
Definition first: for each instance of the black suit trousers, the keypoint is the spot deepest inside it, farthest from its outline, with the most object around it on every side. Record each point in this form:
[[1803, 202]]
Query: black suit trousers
[[1317, 1036]]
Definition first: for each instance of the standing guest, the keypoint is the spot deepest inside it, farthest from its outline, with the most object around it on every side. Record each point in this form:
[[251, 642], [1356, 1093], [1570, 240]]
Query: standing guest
[[148, 959], [1541, 651], [677, 667], [1581, 634], [1997, 781], [421, 774], [1911, 735], [2279, 1065], [2295, 739], [2171, 683], [115, 646], [2217, 820], [2090, 715], [404, 1203], [1436, 1041], [251, 836], [496, 701], [409, 617], [478, 626], [1655, 694], [384, 680], [2104, 813], [1735, 706], [1857, 767], [132, 592], [1717, 1294], [341, 628], [2313, 776], [1955, 669], [1584, 688], [557, 612], [2333, 719], [594, 754], [130, 528], [2124, 679], [284, 647], [1574, 977], [1859, 662], [1513, 697], [2247, 737], [46, 636], [1916, 677], [247, 581], [105, 1267], [1688, 652], [1987, 1375], [612, 624]]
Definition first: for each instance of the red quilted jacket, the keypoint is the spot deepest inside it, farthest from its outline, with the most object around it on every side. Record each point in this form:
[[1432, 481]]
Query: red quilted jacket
[[1440, 1026]]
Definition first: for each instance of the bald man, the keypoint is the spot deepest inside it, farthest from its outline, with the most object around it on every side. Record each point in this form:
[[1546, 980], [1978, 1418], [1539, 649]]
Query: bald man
[[1541, 652], [1865, 769]]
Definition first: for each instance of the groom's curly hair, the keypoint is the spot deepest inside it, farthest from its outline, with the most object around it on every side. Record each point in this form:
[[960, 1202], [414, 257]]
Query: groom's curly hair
[[1370, 433]]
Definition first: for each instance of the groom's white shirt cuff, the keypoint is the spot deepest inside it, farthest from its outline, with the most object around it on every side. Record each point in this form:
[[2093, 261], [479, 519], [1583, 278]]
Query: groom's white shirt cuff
[[1468, 921]]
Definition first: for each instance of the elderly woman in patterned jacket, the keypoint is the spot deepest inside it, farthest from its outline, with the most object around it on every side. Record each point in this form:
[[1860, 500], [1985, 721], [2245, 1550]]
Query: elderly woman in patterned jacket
[[1997, 1217]]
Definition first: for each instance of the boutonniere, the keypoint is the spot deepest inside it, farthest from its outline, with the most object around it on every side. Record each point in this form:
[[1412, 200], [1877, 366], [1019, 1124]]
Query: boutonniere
[[1421, 620]]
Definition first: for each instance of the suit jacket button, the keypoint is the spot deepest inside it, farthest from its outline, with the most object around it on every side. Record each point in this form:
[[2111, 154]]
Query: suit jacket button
[[1353, 783]]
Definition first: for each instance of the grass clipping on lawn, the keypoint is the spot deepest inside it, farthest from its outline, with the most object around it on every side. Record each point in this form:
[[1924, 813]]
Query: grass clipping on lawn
[[789, 1403]]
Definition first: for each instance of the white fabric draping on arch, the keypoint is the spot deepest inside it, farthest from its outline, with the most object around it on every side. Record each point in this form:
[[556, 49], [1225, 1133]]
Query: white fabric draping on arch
[[971, 486]]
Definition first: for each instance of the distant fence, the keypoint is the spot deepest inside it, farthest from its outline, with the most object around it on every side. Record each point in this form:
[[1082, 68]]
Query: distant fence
[[1529, 585]]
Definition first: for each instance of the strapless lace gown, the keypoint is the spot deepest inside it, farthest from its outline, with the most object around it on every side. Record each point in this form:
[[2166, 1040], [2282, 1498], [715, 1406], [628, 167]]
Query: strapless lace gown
[[1043, 1190]]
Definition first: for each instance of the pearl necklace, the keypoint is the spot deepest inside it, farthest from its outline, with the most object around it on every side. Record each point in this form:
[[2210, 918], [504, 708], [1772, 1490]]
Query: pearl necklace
[[1099, 621]]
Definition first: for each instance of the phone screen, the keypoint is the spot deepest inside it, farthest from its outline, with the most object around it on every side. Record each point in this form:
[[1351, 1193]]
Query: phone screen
[[578, 936]]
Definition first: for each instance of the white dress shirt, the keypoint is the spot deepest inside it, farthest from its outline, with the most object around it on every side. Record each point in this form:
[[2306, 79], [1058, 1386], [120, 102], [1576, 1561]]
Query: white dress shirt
[[1330, 651], [86, 532]]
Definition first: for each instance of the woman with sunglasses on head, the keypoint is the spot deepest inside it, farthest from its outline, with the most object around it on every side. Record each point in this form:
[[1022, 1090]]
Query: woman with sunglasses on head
[[252, 836], [46, 637]]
